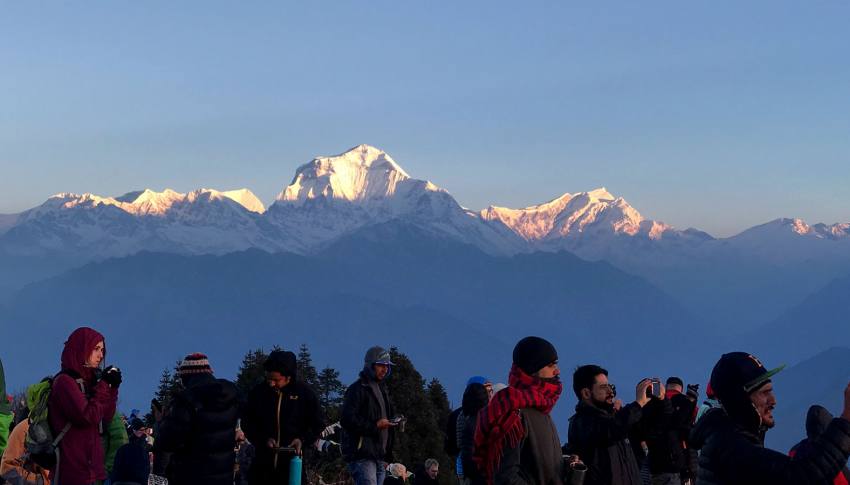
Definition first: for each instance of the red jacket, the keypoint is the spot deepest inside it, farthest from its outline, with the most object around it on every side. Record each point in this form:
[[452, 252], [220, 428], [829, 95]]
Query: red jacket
[[81, 452]]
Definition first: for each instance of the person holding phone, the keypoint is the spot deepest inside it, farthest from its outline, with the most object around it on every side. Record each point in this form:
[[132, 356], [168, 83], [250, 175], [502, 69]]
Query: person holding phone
[[598, 434], [366, 412]]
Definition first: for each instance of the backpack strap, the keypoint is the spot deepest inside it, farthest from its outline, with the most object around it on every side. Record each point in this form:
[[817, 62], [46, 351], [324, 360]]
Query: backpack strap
[[61, 434]]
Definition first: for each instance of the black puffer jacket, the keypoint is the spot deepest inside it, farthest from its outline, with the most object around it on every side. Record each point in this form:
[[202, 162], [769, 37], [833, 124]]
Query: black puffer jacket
[[599, 438], [734, 454], [360, 414], [817, 420], [200, 431], [668, 424], [300, 417]]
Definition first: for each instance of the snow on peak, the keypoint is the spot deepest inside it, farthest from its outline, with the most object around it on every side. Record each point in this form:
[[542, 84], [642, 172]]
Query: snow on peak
[[531, 223], [151, 203], [797, 227], [596, 211], [362, 173], [246, 199]]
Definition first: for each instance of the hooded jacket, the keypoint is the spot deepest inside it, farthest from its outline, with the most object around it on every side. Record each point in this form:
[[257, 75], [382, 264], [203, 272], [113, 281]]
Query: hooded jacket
[[599, 438], [817, 420], [360, 414], [732, 452], [200, 430], [78, 398]]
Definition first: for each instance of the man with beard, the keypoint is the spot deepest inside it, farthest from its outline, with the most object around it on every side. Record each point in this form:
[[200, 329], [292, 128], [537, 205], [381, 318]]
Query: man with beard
[[731, 437], [516, 441], [598, 434]]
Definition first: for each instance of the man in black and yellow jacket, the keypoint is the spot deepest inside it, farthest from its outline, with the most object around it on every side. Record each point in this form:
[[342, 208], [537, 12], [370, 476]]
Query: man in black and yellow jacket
[[281, 412]]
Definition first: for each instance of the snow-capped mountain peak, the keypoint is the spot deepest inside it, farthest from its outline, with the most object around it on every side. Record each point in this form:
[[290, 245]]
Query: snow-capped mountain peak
[[360, 174], [571, 214], [784, 227], [531, 223], [147, 202]]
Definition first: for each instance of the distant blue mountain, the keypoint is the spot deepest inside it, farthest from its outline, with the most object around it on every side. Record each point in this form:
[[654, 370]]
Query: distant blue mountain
[[818, 380], [821, 321], [455, 310]]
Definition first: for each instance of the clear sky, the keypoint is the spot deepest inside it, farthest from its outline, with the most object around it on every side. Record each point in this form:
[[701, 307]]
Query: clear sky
[[715, 115]]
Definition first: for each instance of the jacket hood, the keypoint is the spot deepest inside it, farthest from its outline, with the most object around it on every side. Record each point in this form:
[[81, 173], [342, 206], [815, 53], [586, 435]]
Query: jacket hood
[[817, 419], [709, 423], [474, 398], [718, 421], [78, 348], [216, 394], [4, 404]]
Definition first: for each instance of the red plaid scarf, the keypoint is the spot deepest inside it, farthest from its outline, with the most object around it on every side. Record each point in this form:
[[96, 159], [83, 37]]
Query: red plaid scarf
[[500, 422]]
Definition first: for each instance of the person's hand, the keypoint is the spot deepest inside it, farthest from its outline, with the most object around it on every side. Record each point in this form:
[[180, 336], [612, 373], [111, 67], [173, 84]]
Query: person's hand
[[271, 443], [641, 396], [846, 413], [618, 404], [296, 443], [112, 376], [663, 390], [384, 423], [693, 392]]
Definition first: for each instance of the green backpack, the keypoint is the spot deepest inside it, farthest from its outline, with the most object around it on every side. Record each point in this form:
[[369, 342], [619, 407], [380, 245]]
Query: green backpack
[[40, 443]]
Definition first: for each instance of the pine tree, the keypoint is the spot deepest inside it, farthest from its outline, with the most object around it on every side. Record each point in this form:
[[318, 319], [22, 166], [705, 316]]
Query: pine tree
[[169, 385], [306, 371], [422, 437], [251, 370], [439, 401], [330, 391]]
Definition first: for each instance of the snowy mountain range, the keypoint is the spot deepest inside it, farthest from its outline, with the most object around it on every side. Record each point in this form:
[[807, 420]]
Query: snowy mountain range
[[774, 265], [333, 196]]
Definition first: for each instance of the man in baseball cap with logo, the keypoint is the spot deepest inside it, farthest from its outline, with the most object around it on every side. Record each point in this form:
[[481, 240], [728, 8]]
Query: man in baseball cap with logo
[[731, 437]]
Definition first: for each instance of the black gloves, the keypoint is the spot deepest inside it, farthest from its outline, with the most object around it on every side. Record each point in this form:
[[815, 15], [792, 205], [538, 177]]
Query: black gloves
[[693, 391], [112, 376]]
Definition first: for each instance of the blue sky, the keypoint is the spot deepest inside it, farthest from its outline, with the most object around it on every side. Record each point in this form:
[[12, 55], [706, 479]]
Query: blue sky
[[716, 115]]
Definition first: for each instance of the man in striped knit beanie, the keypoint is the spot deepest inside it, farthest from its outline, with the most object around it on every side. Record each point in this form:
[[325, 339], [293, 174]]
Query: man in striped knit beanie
[[200, 427]]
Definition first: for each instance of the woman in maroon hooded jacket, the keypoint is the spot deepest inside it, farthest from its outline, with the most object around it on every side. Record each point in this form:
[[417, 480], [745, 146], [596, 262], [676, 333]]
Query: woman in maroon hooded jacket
[[81, 399]]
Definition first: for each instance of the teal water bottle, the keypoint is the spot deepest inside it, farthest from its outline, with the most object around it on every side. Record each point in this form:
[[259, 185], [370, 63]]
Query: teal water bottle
[[295, 470]]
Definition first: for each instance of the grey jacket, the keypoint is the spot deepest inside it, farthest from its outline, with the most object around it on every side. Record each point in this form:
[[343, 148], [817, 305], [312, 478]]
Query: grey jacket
[[537, 458]]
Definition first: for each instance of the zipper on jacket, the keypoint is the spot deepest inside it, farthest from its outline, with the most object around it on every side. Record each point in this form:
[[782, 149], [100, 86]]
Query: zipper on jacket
[[277, 424]]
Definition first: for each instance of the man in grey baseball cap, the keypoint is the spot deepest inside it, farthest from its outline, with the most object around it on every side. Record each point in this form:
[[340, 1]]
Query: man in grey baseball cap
[[366, 419]]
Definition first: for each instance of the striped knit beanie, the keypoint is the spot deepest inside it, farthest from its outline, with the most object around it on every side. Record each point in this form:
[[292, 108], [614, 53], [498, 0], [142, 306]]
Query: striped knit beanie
[[196, 363]]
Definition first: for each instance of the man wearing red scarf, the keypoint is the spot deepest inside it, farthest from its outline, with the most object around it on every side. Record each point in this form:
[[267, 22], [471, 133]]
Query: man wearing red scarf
[[515, 440]]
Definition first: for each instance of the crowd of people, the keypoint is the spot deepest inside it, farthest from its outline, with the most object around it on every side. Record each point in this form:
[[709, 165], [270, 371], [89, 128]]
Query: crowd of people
[[68, 431]]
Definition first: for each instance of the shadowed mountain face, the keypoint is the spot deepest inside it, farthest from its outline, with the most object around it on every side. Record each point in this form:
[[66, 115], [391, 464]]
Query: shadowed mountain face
[[454, 309], [821, 321], [818, 380]]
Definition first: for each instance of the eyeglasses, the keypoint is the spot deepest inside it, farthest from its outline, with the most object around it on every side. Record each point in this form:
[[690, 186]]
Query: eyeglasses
[[609, 387]]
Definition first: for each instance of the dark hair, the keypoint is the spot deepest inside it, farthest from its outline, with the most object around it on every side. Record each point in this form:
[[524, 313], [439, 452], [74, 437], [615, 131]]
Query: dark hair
[[585, 376], [675, 380], [475, 397]]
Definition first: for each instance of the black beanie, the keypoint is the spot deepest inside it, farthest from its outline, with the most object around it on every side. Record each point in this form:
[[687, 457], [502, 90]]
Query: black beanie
[[281, 361], [534, 353]]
